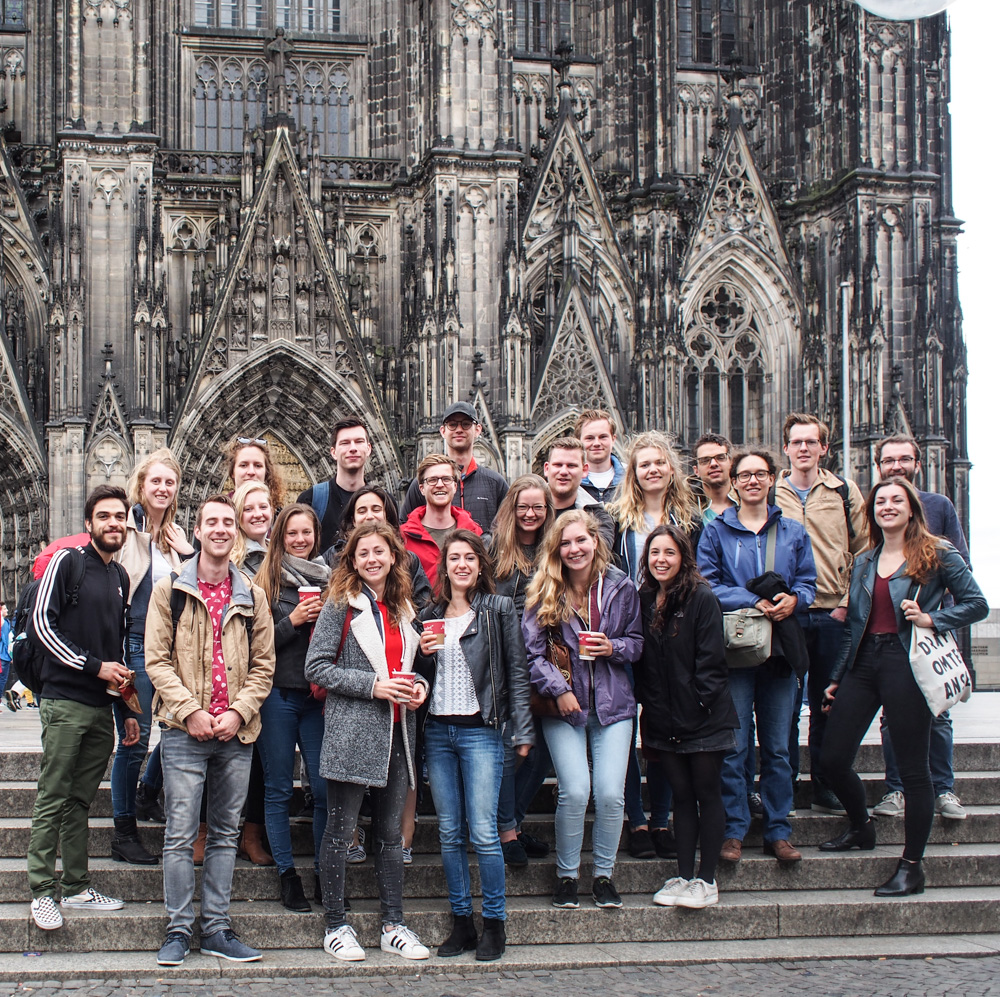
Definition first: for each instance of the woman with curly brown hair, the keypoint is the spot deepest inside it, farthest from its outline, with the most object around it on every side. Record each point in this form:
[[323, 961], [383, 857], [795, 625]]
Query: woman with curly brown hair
[[249, 459], [899, 583]]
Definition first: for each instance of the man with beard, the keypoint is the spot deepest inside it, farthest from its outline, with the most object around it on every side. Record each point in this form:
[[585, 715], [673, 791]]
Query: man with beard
[[899, 456], [79, 625]]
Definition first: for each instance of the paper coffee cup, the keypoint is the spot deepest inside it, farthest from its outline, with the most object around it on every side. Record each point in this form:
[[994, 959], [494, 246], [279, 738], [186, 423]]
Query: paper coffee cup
[[436, 627], [309, 592], [585, 653]]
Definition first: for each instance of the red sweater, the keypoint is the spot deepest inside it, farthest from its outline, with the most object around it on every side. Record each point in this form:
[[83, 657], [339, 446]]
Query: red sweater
[[418, 540]]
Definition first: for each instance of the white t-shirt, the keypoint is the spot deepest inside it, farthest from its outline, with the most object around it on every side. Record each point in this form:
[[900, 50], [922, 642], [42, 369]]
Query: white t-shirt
[[602, 478]]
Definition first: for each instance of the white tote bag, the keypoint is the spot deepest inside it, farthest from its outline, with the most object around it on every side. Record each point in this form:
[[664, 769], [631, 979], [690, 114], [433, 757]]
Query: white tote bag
[[939, 668]]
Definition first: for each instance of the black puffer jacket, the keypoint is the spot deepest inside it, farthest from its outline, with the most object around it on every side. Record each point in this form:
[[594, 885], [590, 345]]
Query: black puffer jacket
[[682, 679], [493, 646]]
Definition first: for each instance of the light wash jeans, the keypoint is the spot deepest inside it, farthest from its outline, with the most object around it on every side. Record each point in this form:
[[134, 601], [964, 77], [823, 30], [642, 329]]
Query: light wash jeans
[[224, 769], [465, 766], [609, 750]]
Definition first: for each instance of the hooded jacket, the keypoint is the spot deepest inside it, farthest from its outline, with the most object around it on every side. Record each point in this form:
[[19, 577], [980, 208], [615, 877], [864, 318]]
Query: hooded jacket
[[181, 668], [480, 492], [621, 622], [730, 554], [421, 543], [605, 495], [952, 576]]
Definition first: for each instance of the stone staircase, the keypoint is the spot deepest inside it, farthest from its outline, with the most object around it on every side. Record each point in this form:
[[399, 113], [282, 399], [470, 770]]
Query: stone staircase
[[822, 907]]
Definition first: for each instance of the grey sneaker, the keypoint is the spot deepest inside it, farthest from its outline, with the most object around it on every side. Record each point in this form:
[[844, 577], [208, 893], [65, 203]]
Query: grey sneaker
[[892, 805], [698, 894], [407, 856], [666, 895], [356, 854], [948, 805], [174, 949], [226, 945]]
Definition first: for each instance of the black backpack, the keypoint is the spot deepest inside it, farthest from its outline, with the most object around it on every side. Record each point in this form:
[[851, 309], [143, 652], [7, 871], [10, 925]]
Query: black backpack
[[26, 654]]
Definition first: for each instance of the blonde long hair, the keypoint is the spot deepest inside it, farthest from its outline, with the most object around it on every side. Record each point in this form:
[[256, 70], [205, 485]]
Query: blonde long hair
[[547, 590], [137, 483], [239, 552], [678, 499], [508, 554]]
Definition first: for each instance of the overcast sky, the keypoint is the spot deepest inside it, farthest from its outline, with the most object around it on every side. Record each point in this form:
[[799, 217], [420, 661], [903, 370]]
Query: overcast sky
[[975, 27]]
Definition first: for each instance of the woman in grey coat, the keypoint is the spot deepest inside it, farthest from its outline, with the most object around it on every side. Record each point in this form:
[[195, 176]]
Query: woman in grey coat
[[364, 642]]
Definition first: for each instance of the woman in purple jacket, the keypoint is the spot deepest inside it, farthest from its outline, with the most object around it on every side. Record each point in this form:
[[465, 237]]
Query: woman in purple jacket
[[577, 589]]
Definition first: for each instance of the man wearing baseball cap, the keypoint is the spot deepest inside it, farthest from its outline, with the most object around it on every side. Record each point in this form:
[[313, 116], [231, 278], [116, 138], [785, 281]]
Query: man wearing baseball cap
[[480, 489]]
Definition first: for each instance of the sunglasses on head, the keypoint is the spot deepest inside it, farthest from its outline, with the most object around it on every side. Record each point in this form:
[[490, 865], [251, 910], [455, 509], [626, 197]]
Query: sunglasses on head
[[247, 441]]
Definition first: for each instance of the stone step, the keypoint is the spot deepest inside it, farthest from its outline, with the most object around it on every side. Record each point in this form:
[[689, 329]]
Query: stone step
[[134, 969], [781, 914], [976, 756], [808, 828], [945, 866], [978, 788]]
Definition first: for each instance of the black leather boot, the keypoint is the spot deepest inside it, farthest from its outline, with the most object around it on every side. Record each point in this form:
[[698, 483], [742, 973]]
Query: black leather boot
[[463, 936], [493, 942], [854, 837], [905, 881], [148, 806], [293, 897], [126, 846]]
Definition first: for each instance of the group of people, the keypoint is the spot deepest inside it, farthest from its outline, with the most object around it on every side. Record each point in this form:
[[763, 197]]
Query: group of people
[[484, 634]]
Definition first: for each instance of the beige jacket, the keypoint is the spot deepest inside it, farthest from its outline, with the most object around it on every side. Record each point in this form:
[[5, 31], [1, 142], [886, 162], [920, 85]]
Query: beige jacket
[[136, 554], [825, 521], [181, 669]]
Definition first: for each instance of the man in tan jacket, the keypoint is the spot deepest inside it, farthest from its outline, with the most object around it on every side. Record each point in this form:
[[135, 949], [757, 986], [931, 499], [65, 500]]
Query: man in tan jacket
[[210, 657], [833, 513]]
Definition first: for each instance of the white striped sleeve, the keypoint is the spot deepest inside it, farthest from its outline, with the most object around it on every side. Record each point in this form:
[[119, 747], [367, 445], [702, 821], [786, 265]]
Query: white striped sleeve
[[50, 595]]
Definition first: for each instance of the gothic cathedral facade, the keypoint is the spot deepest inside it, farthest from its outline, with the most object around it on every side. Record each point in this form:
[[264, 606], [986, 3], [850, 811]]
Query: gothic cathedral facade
[[253, 217]]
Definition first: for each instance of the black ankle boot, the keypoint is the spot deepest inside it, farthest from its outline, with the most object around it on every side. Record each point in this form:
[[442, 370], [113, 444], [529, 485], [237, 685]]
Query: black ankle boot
[[463, 936], [491, 946], [292, 895], [148, 806], [854, 837], [906, 880], [126, 846]]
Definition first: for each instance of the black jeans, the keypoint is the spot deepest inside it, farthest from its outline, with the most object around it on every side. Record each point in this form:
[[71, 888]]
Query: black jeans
[[881, 676], [343, 801]]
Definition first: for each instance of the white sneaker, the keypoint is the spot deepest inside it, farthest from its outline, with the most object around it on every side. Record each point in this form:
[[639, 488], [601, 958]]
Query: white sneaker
[[342, 943], [948, 805], [90, 899], [698, 894], [356, 854], [399, 939], [668, 893], [891, 805], [46, 914]]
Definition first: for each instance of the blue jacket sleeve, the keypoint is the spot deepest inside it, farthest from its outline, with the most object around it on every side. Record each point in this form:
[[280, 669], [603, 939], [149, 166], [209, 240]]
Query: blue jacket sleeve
[[712, 568]]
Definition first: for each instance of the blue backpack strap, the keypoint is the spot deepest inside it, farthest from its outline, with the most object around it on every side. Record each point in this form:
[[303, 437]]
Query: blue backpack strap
[[320, 499]]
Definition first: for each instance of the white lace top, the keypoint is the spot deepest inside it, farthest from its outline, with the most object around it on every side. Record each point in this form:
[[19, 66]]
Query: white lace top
[[454, 692]]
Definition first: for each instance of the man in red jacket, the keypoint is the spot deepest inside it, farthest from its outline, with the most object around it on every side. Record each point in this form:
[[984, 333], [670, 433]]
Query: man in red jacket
[[429, 525]]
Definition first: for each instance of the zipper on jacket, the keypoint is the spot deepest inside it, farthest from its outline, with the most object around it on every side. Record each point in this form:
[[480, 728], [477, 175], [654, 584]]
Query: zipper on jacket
[[493, 682], [739, 548]]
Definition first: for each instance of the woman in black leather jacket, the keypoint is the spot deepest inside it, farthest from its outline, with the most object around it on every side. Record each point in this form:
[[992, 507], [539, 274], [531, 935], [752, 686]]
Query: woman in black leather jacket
[[904, 561], [479, 680], [688, 716]]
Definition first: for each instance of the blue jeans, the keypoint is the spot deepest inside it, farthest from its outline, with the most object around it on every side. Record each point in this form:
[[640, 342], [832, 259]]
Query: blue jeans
[[128, 760], [153, 774], [530, 775], [289, 717], [464, 768], [660, 793], [188, 766], [506, 804], [769, 694], [609, 748], [823, 634], [941, 754]]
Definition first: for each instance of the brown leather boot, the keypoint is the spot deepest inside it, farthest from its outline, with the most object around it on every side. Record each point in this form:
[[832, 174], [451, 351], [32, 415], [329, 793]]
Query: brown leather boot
[[199, 844], [732, 850], [782, 850], [251, 845]]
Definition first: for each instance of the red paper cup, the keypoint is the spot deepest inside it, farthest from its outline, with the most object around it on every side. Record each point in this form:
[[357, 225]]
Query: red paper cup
[[436, 627], [309, 592], [410, 677], [585, 654]]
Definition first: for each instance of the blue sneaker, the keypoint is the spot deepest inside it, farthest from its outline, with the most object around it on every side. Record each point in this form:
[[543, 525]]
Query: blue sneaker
[[226, 945], [174, 949]]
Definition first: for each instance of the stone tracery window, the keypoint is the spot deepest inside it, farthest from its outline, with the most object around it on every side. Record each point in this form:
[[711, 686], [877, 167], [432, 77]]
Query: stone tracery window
[[540, 25], [706, 30], [724, 376], [12, 12], [322, 16]]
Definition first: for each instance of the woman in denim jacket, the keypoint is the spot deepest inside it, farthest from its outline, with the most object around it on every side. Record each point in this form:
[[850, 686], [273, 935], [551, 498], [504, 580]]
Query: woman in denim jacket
[[898, 584]]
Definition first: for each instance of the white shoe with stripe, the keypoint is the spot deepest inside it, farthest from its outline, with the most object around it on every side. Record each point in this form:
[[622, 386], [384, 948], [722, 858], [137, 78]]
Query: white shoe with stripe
[[342, 943], [399, 939]]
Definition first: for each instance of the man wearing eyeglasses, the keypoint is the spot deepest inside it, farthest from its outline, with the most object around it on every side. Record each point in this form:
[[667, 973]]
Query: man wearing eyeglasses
[[833, 513], [899, 456], [480, 489], [713, 457], [430, 524]]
